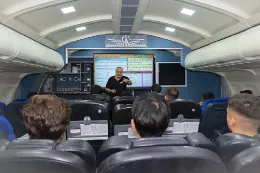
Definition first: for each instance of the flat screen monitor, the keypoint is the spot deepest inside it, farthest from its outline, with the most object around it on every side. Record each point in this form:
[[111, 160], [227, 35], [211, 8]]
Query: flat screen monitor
[[139, 68], [171, 74]]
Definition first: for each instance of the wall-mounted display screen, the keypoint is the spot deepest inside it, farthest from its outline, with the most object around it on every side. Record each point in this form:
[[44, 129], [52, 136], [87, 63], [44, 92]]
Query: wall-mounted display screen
[[138, 67], [171, 74]]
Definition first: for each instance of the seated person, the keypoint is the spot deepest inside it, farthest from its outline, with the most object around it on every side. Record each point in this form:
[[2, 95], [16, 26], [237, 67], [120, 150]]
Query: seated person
[[46, 117], [156, 88], [97, 93], [172, 93], [206, 96], [243, 114], [151, 115], [246, 92]]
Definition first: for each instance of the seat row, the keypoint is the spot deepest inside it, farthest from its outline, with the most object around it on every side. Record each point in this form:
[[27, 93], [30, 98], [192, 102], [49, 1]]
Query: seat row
[[118, 113], [193, 153]]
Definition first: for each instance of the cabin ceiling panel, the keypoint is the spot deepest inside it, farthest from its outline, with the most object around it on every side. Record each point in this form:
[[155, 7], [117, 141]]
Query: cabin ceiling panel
[[213, 20]]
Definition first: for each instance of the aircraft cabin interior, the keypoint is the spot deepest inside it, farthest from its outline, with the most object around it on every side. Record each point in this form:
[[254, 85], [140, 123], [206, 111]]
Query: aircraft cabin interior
[[123, 86]]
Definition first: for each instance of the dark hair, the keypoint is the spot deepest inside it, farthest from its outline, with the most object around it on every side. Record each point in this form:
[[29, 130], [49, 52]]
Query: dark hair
[[96, 89], [151, 114], [172, 93], [246, 105], [246, 92], [156, 88], [46, 117], [208, 95]]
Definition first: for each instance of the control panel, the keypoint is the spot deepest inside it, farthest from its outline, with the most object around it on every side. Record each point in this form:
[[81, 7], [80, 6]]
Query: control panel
[[75, 78]]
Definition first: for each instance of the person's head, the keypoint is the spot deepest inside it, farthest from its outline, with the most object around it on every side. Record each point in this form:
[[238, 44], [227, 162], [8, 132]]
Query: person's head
[[96, 89], [246, 92], [151, 115], [46, 117], [207, 95], [119, 72], [243, 114], [156, 88], [172, 93]]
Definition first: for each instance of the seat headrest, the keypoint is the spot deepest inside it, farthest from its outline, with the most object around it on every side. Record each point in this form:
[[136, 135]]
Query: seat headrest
[[122, 100], [113, 145], [229, 145], [247, 161], [32, 144], [183, 102], [189, 109], [119, 110], [96, 110], [214, 100], [163, 159], [80, 148], [180, 100], [120, 143], [87, 102], [199, 140], [35, 160], [159, 141]]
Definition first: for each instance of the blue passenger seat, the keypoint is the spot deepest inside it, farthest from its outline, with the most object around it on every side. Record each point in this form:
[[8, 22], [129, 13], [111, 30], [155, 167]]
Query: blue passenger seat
[[15, 118], [6, 129], [214, 100], [214, 119], [3, 109]]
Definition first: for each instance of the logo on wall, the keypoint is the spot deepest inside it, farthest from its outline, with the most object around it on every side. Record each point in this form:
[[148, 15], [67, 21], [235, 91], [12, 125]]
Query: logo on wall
[[130, 41]]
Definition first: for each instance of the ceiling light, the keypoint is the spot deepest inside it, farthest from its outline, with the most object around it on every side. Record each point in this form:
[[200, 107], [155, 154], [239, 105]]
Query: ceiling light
[[81, 28], [187, 11], [68, 10], [169, 29]]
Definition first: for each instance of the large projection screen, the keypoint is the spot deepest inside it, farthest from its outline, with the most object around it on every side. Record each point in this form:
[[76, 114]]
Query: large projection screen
[[138, 67]]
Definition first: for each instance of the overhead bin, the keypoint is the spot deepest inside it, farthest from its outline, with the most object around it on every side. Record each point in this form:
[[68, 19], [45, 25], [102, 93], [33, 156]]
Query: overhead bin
[[237, 49], [18, 49]]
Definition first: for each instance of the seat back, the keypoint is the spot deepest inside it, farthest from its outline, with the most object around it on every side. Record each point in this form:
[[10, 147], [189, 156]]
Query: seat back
[[121, 114], [3, 109], [122, 100], [246, 161], [214, 100], [15, 118], [214, 118], [6, 129], [120, 143], [229, 145], [163, 159], [96, 110], [178, 126], [189, 109], [36, 153]]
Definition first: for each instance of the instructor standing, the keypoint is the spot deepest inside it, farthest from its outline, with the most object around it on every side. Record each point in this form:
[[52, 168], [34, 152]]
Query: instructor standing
[[117, 84]]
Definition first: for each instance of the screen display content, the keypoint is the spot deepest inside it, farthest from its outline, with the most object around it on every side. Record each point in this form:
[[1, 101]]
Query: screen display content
[[139, 68]]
